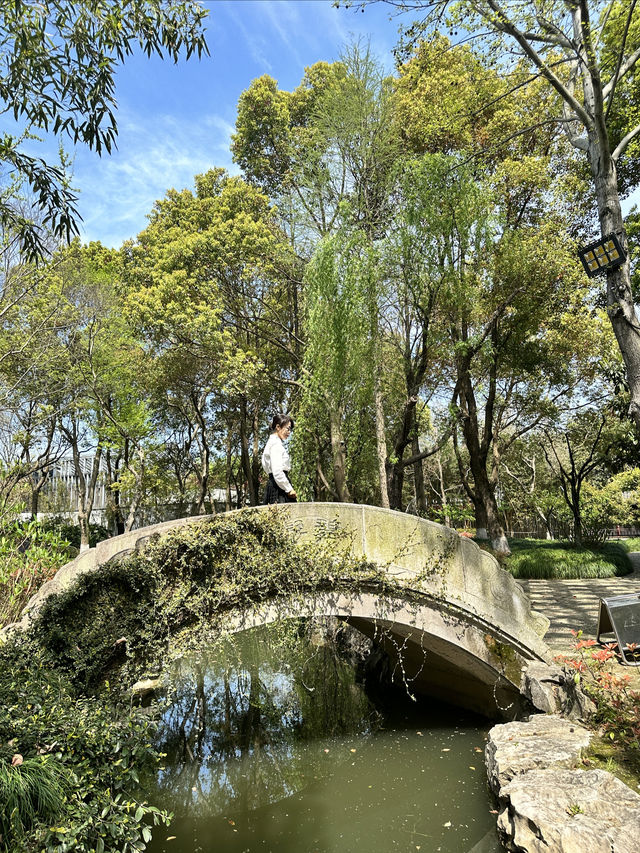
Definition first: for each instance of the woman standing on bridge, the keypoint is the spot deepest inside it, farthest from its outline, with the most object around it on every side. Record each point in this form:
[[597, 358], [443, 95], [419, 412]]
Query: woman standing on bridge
[[277, 464]]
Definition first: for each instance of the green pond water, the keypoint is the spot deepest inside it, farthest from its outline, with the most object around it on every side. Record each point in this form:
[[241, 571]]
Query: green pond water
[[273, 745]]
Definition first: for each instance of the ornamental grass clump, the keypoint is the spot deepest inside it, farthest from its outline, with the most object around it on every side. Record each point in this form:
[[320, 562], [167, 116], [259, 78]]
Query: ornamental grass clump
[[556, 560], [31, 790]]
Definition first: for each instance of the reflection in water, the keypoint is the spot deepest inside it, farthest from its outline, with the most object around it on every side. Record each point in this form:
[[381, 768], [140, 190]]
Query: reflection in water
[[272, 745]]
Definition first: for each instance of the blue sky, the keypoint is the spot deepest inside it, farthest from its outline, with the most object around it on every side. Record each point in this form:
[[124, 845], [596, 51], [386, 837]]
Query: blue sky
[[175, 121]]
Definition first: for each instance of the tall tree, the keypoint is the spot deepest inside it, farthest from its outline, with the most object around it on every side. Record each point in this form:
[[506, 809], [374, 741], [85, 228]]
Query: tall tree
[[203, 282], [587, 53]]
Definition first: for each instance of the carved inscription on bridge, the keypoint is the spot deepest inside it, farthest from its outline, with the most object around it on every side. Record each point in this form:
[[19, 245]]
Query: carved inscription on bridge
[[316, 526]]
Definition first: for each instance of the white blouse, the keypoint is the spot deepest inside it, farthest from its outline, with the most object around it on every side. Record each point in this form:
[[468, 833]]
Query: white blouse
[[276, 461]]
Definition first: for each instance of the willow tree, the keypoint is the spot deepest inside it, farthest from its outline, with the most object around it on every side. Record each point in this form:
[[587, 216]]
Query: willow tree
[[328, 146], [337, 379], [587, 53]]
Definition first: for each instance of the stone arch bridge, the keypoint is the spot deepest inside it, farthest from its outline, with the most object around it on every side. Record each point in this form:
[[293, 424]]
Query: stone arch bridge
[[460, 626]]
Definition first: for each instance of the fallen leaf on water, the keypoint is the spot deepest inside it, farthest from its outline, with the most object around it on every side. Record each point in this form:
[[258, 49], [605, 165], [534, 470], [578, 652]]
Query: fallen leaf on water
[[232, 822], [446, 750], [471, 767], [352, 750], [326, 750], [494, 811], [448, 823], [172, 838]]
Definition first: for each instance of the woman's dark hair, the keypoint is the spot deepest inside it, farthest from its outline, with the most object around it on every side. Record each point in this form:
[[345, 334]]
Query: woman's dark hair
[[281, 420]]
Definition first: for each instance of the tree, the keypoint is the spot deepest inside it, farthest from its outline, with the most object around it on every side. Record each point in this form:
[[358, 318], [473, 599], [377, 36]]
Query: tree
[[337, 374], [326, 152], [57, 73], [573, 454], [203, 284], [588, 54]]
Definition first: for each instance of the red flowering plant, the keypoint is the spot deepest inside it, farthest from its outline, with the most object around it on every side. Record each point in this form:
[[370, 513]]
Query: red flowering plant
[[617, 712]]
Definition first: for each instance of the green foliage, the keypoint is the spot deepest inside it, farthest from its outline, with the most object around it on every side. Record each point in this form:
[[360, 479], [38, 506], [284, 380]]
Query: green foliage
[[31, 791], [71, 532], [57, 67], [120, 617], [94, 750], [617, 714], [535, 558], [185, 582], [30, 554]]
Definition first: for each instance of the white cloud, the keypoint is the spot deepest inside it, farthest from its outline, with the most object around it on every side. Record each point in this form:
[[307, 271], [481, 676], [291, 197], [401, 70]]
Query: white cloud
[[256, 43], [118, 192]]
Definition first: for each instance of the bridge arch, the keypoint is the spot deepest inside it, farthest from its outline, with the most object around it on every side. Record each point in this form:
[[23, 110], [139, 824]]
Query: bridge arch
[[465, 627]]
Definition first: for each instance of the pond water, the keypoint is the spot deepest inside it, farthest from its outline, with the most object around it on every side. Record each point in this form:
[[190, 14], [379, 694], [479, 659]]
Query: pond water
[[273, 745]]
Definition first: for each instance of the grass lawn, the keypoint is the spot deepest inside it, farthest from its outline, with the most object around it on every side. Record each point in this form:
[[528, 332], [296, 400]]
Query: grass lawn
[[538, 558]]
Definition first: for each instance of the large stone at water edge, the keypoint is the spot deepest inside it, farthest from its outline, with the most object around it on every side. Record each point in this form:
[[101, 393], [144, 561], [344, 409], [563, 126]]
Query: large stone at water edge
[[569, 811], [544, 741]]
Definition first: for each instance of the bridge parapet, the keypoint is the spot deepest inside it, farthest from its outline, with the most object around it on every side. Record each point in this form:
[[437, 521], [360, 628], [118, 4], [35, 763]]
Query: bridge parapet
[[428, 557]]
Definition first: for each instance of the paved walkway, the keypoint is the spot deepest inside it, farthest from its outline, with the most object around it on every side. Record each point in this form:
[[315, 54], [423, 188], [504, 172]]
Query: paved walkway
[[575, 604]]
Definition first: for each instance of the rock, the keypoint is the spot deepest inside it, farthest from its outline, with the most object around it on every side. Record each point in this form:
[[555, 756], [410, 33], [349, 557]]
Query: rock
[[552, 690], [146, 687], [569, 811], [544, 741]]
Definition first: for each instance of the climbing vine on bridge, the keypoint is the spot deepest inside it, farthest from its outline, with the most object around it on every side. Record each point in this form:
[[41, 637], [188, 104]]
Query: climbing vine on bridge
[[183, 586]]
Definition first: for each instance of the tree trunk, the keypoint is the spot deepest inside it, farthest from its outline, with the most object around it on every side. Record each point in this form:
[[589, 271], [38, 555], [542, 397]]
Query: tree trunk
[[256, 466], [338, 456], [620, 304], [418, 478], [36, 489], [202, 473], [443, 494], [247, 466], [136, 496], [403, 439], [229, 471], [86, 493], [381, 443]]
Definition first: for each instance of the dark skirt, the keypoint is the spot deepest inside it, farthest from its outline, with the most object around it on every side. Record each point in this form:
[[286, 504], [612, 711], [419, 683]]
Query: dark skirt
[[273, 494]]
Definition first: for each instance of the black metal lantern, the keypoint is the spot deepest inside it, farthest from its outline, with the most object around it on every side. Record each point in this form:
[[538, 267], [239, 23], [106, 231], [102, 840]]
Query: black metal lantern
[[602, 255]]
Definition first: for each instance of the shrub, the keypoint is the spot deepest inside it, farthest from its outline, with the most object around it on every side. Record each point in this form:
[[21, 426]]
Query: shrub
[[617, 715], [94, 749], [550, 559], [71, 532], [30, 554]]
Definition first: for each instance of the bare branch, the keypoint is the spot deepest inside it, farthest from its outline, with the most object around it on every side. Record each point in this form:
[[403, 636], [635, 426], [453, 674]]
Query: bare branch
[[621, 147], [501, 22]]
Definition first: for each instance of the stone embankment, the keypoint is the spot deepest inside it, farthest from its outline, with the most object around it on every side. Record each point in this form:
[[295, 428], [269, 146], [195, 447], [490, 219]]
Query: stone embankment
[[546, 803]]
